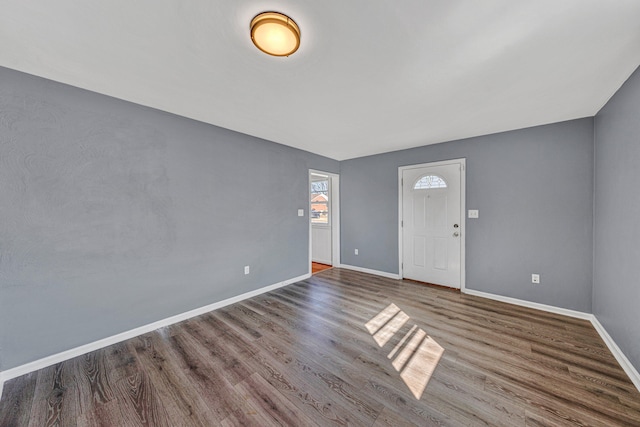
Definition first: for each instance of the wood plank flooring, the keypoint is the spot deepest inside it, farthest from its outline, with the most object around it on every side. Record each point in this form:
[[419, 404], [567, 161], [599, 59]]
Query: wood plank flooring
[[317, 267], [335, 350]]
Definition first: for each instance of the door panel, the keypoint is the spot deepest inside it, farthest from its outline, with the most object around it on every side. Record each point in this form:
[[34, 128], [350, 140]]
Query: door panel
[[419, 213], [440, 253], [321, 244], [431, 210], [437, 211], [419, 251]]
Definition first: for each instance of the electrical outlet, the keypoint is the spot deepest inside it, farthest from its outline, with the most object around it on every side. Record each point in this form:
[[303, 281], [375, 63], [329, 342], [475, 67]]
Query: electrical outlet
[[535, 278], [355, 252], [246, 269]]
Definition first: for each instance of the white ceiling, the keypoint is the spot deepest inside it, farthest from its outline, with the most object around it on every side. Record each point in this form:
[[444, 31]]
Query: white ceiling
[[371, 75]]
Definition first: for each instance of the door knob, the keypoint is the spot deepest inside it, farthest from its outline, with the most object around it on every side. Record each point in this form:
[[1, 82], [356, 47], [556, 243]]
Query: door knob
[[456, 234]]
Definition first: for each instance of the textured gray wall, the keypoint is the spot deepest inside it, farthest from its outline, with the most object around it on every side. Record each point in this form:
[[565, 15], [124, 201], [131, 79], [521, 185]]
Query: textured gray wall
[[616, 288], [534, 190], [114, 215]]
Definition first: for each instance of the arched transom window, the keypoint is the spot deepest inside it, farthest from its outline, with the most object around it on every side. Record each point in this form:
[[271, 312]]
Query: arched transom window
[[430, 181]]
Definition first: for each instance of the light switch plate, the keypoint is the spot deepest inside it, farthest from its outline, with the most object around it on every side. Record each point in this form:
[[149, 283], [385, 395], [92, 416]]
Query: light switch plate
[[300, 212], [473, 213]]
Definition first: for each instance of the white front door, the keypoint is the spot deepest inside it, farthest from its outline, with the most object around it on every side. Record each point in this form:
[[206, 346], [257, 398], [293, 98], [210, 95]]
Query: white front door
[[431, 224]]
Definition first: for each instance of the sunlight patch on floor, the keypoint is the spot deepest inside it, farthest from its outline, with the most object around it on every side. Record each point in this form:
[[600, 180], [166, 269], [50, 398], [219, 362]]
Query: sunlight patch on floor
[[381, 318], [387, 332], [416, 354], [409, 349], [402, 341], [417, 372]]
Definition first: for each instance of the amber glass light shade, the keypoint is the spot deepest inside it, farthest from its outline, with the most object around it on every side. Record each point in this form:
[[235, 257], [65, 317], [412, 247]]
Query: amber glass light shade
[[275, 34]]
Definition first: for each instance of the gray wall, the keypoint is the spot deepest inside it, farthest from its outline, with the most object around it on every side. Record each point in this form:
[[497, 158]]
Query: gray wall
[[534, 190], [616, 289], [113, 215]]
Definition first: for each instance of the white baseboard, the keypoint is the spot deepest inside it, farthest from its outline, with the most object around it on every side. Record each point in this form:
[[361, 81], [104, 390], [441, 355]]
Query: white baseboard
[[538, 306], [626, 365], [367, 270], [96, 345]]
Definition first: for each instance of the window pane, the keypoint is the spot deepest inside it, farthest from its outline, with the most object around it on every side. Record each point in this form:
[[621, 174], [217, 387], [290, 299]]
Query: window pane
[[430, 181], [320, 202]]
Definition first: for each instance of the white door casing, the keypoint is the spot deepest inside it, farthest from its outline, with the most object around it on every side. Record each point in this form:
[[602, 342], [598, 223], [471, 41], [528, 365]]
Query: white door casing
[[432, 223]]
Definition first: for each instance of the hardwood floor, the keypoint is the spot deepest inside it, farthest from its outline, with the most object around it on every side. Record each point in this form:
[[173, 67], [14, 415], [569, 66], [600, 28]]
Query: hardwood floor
[[325, 351], [317, 267]]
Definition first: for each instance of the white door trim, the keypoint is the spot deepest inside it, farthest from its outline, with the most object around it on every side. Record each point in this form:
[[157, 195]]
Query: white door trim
[[463, 224], [335, 215]]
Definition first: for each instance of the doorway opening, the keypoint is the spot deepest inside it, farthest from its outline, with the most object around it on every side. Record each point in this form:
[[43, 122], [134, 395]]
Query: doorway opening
[[324, 221], [431, 229]]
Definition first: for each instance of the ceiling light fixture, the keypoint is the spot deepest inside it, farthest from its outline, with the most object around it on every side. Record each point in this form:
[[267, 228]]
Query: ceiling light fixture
[[275, 34]]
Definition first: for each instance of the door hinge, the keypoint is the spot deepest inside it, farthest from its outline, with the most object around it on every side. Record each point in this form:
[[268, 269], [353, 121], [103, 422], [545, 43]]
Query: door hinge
[[401, 223]]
